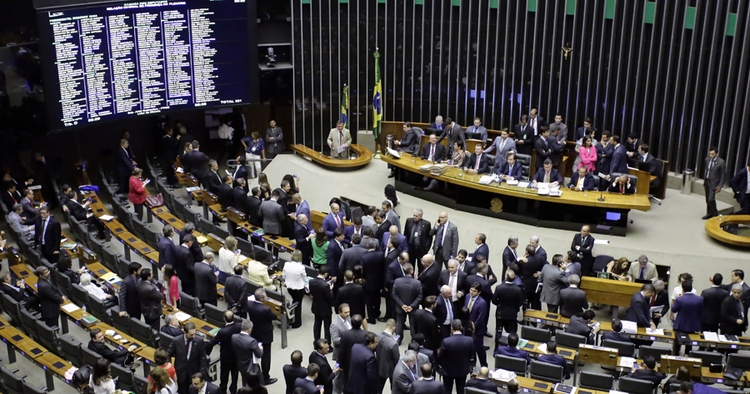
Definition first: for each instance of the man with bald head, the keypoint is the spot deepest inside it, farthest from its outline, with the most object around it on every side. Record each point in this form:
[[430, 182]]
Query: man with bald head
[[407, 295], [445, 310], [445, 246], [393, 233], [334, 220], [429, 276], [454, 278], [417, 233]]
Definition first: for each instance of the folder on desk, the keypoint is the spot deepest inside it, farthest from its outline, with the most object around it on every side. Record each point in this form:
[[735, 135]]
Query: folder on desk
[[627, 362], [182, 316], [629, 327], [108, 276]]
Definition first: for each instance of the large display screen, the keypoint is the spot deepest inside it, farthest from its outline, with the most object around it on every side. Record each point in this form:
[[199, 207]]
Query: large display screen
[[119, 59]]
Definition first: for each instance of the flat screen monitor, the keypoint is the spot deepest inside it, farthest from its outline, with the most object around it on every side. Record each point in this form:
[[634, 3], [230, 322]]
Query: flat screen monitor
[[108, 60], [613, 216]]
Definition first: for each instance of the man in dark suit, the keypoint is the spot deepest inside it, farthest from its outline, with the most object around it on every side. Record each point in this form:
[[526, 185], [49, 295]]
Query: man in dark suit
[[307, 382], [235, 291], [394, 270], [172, 326], [387, 354], [18, 291], [572, 299], [733, 315], [649, 373], [322, 302], [224, 191], [195, 248], [429, 276], [253, 207], [303, 238], [543, 147], [482, 381], [151, 298], [536, 122], [622, 185], [98, 346], [689, 309], [169, 147], [477, 308], [454, 133], [205, 280], [478, 162], [508, 298], [639, 307], [227, 356], [262, 318], [712, 299], [373, 272], [455, 354], [510, 253], [334, 220], [632, 144], [11, 196], [196, 162], [47, 234], [582, 180], [433, 151], [247, 349], [166, 247], [454, 276], [189, 352], [509, 170], [383, 226], [604, 151], [318, 357], [240, 172], [650, 162], [660, 298], [348, 338], [212, 180], [523, 136], [512, 349], [739, 185], [584, 130], [619, 161], [583, 243], [184, 264], [201, 386], [82, 214], [547, 174], [353, 294], [294, 371], [427, 384], [616, 334], [553, 358], [425, 323], [129, 299], [417, 232], [333, 256], [407, 294], [363, 369], [445, 310], [351, 257], [124, 166]]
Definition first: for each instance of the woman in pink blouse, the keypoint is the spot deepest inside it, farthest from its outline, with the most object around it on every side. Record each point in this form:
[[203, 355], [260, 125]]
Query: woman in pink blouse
[[587, 153], [171, 287]]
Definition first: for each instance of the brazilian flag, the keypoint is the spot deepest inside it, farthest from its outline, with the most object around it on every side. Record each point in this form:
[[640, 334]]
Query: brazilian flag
[[377, 99], [345, 106]]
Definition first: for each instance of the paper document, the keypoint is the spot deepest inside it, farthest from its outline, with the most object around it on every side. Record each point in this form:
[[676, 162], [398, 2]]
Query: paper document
[[109, 332], [182, 316], [146, 182], [523, 185], [106, 218], [35, 187], [485, 180], [629, 327], [192, 189], [503, 375], [340, 149], [656, 309], [710, 336], [180, 170], [70, 307], [513, 182], [658, 331], [600, 175], [601, 242], [542, 348], [626, 362]]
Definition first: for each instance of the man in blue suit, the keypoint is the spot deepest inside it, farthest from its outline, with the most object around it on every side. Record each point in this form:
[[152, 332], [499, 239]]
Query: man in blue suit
[[454, 356], [478, 163], [639, 310], [334, 220], [308, 383], [582, 180], [512, 349], [689, 309], [477, 309], [616, 333], [510, 170], [482, 248], [547, 174], [403, 245], [166, 247], [303, 208], [739, 186], [553, 358], [619, 161], [363, 369]]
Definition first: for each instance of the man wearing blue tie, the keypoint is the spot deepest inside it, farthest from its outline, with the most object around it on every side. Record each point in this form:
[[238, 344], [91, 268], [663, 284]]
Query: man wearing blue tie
[[510, 170]]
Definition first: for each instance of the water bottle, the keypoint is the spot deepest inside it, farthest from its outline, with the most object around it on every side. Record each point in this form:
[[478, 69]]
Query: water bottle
[[84, 310]]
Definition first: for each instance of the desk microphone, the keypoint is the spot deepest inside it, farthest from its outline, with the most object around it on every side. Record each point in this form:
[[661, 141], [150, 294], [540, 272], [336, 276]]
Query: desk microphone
[[601, 197]]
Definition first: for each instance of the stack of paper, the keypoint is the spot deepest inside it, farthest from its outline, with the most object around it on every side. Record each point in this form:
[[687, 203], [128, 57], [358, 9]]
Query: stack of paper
[[182, 316], [657, 331], [710, 336], [629, 327], [626, 362], [70, 308], [513, 182], [180, 170], [523, 185], [485, 180], [503, 375], [192, 189]]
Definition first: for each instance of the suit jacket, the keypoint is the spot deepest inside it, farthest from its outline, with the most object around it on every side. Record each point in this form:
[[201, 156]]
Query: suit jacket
[[212, 181], [223, 338], [322, 298], [129, 298], [585, 248], [363, 373], [351, 258], [187, 364], [441, 310], [304, 209], [524, 133], [508, 258], [333, 256], [239, 199], [401, 379], [354, 295], [348, 340], [76, 210], [476, 315], [406, 291], [450, 240], [504, 169], [195, 248], [454, 355], [326, 375], [329, 224], [573, 301], [403, 246], [455, 133], [184, 263], [712, 299], [299, 382], [650, 271], [647, 374], [486, 287], [9, 199], [254, 215], [171, 331], [151, 298], [501, 154], [17, 293], [52, 236], [240, 172], [730, 313], [103, 350], [513, 352], [429, 278], [123, 163], [604, 157], [205, 283], [484, 163], [273, 217], [738, 183], [689, 309], [589, 182], [461, 284], [373, 270], [616, 336], [557, 360], [619, 161], [544, 151], [508, 298], [425, 322], [334, 141], [382, 229], [262, 319], [30, 211], [276, 145], [426, 386], [196, 163], [338, 327], [167, 252], [639, 310], [388, 354], [482, 249], [439, 154], [482, 384], [50, 298], [235, 292], [245, 347], [411, 140], [554, 176], [210, 389], [304, 244]]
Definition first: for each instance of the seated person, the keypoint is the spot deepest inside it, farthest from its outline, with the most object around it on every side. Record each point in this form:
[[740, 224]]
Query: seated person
[[30, 207], [82, 213], [478, 163], [553, 358], [618, 269], [172, 326], [17, 290], [512, 349], [412, 138], [438, 123], [616, 334], [697, 388], [584, 325], [622, 185], [108, 299], [64, 266], [649, 372], [458, 158], [582, 180], [97, 345], [19, 222], [510, 170], [482, 381], [570, 265], [649, 164], [547, 175], [433, 151]]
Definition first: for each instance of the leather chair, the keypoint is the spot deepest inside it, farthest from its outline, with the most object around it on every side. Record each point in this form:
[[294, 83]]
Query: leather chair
[[517, 365], [635, 386], [535, 334], [596, 381], [71, 350], [546, 371]]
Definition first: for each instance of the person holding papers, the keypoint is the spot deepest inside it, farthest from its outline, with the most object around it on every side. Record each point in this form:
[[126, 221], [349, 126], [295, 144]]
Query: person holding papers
[[733, 319], [510, 170], [137, 192], [582, 180], [547, 175]]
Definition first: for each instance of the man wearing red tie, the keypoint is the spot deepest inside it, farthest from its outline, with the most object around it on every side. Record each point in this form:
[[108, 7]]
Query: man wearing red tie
[[477, 163], [339, 140], [622, 185], [334, 220], [11, 196]]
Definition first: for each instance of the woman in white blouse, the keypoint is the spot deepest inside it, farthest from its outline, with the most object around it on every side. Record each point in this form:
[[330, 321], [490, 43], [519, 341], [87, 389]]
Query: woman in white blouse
[[100, 380], [295, 278], [229, 256]]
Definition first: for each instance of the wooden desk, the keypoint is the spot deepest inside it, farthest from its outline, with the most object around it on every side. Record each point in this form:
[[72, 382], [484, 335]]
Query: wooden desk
[[670, 364], [528, 383], [714, 229], [52, 364], [533, 349], [364, 156], [609, 292], [598, 355], [396, 129]]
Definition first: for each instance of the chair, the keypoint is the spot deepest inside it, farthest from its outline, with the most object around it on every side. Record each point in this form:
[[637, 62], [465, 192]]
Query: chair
[[525, 161], [28, 322], [90, 357], [122, 267], [165, 340], [214, 315], [206, 226], [600, 262], [79, 295], [625, 349], [357, 213], [12, 382], [109, 259], [12, 308], [125, 380], [71, 350], [262, 255], [190, 305], [535, 334], [141, 384], [655, 352], [29, 388], [47, 337], [143, 332], [740, 361], [62, 281], [546, 371], [151, 237], [708, 357], [595, 381], [246, 247], [218, 230], [97, 245], [635, 386], [99, 308], [569, 340], [517, 365], [662, 170], [121, 323]]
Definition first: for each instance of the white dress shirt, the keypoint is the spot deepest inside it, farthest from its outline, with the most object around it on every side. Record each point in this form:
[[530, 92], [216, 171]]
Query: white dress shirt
[[295, 275], [96, 291]]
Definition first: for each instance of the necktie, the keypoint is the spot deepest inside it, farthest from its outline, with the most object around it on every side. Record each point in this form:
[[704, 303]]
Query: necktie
[[532, 123], [476, 165], [708, 171], [653, 299], [341, 137], [545, 142], [546, 177], [44, 229], [440, 236], [622, 188], [739, 309], [514, 254], [338, 221], [188, 345], [449, 308], [643, 273], [502, 145], [387, 252], [13, 197], [432, 152], [471, 303]]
